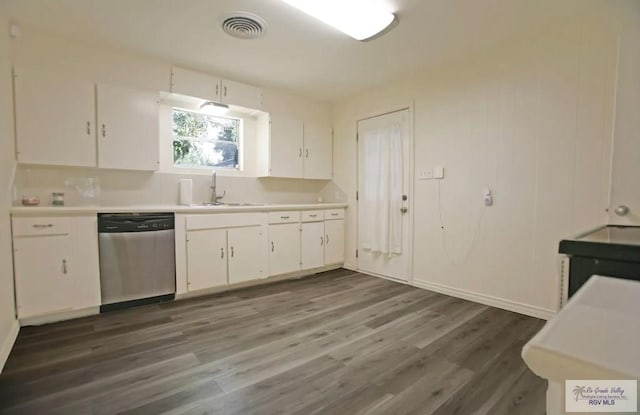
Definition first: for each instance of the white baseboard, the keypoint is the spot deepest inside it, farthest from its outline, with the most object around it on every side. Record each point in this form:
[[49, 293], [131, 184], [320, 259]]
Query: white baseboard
[[489, 300], [59, 316], [8, 342], [254, 283]]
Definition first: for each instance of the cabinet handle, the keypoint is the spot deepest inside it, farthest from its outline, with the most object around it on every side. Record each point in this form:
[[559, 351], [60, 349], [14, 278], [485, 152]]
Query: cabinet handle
[[88, 127], [284, 217], [38, 226], [218, 90], [334, 214], [104, 130], [272, 246], [321, 241], [221, 253], [313, 216], [326, 239], [306, 153], [64, 266], [300, 152], [225, 90], [231, 252]]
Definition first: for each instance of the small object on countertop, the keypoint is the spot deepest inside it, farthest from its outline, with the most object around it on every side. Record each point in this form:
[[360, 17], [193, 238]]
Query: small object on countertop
[[57, 199], [30, 200]]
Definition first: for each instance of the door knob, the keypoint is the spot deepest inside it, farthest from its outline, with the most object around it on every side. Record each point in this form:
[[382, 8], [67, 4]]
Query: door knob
[[404, 210], [622, 210]]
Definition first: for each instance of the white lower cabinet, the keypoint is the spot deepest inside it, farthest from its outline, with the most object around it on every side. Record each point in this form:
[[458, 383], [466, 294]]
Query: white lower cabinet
[[312, 245], [56, 264], [334, 241], [284, 248], [225, 249], [247, 254], [206, 259]]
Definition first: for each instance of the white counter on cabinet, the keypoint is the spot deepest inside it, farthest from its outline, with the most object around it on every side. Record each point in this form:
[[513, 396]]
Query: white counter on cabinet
[[87, 210]]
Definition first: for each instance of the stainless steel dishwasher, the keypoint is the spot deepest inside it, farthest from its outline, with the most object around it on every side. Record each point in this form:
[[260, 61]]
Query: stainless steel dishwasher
[[137, 259]]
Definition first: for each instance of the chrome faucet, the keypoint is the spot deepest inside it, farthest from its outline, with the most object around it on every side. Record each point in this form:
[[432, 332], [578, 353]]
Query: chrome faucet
[[215, 199]]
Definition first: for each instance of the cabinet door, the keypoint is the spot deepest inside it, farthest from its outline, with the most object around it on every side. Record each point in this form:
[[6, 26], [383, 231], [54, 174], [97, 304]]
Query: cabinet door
[[43, 272], [86, 264], [286, 137], [55, 120], [127, 128], [312, 245], [334, 241], [318, 149], [284, 248], [206, 259], [247, 253], [195, 84], [235, 93]]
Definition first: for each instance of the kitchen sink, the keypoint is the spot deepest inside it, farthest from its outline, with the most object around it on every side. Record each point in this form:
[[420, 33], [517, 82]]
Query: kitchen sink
[[219, 204]]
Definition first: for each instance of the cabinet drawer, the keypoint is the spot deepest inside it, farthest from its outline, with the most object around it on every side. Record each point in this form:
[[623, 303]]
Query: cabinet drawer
[[284, 217], [312, 215], [334, 214], [41, 226]]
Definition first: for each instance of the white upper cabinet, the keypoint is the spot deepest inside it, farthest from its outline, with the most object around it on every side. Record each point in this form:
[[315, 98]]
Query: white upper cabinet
[[243, 95], [200, 85], [294, 148], [127, 128], [56, 123], [55, 120], [195, 84], [318, 140], [287, 147]]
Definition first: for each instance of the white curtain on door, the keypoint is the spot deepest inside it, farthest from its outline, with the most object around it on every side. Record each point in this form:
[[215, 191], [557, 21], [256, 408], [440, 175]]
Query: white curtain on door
[[382, 190]]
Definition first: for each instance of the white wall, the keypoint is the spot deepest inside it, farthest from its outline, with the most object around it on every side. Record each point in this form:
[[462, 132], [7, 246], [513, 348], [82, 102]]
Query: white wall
[[625, 178], [532, 120], [81, 61], [8, 322]]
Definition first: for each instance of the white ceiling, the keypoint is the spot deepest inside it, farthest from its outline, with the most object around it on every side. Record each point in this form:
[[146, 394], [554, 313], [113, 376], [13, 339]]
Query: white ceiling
[[298, 53]]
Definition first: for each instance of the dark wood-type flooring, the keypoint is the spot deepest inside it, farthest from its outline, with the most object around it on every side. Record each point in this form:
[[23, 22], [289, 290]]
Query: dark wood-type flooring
[[334, 343]]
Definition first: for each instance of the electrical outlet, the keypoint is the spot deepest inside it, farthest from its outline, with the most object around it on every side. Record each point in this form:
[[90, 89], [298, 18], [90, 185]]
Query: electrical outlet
[[425, 174]]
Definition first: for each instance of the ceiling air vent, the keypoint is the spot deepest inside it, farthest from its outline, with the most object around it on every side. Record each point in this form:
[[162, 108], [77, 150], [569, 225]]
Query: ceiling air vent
[[243, 25]]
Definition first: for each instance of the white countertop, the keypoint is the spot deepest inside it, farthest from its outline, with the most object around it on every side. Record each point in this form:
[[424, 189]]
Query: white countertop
[[79, 210], [596, 336]]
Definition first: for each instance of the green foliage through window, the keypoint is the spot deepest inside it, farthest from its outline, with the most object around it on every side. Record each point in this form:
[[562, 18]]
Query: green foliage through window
[[203, 140]]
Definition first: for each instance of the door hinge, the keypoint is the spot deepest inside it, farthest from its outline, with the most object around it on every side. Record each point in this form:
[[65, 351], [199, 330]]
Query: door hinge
[[357, 196], [356, 253], [357, 136]]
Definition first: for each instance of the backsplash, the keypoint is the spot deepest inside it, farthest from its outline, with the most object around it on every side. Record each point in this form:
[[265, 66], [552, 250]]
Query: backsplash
[[118, 187]]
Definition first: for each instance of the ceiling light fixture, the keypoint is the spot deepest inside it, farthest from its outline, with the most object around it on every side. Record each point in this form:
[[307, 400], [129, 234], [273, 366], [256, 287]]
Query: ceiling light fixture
[[360, 19], [214, 108]]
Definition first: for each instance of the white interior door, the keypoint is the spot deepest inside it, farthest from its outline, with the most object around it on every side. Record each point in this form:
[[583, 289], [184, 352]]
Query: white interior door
[[370, 260]]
